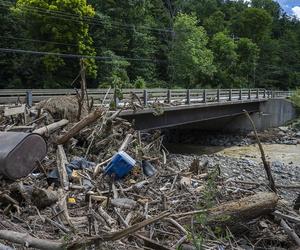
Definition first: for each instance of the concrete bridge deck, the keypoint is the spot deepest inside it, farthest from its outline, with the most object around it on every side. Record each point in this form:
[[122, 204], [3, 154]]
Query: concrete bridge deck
[[161, 108]]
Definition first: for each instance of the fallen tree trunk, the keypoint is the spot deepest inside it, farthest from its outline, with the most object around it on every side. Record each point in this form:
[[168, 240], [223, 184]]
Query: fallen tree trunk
[[233, 212], [51, 127], [89, 119], [27, 240]]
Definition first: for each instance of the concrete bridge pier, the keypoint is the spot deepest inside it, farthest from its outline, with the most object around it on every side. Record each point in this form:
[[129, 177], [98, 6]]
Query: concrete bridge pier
[[272, 113]]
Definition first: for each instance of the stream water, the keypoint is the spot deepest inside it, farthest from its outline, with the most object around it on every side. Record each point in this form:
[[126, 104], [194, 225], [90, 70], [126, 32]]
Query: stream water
[[275, 152]]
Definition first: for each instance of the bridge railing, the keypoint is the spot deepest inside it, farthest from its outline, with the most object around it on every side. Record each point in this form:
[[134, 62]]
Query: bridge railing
[[145, 96]]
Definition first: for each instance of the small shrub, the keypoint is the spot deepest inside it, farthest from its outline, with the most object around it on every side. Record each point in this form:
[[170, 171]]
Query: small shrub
[[296, 98]]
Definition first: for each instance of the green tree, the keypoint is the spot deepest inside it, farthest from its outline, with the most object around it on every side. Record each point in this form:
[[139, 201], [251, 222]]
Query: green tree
[[202, 8], [272, 7], [215, 23], [60, 22], [248, 55], [190, 57], [253, 23], [225, 55]]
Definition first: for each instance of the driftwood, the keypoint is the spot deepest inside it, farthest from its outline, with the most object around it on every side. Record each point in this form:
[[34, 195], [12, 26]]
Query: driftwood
[[290, 232], [152, 244], [43, 198], [126, 142], [29, 241], [116, 235], [263, 156], [4, 247], [236, 211], [61, 167], [51, 127], [287, 217], [80, 97], [89, 119], [108, 219]]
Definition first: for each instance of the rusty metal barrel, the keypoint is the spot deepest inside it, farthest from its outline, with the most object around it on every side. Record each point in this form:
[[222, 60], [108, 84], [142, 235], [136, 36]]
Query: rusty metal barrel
[[19, 153]]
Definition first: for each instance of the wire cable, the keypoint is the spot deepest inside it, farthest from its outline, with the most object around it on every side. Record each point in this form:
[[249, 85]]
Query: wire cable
[[91, 20], [63, 55]]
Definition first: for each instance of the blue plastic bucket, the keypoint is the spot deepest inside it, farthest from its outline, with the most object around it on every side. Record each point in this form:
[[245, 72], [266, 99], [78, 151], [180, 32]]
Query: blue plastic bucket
[[120, 165]]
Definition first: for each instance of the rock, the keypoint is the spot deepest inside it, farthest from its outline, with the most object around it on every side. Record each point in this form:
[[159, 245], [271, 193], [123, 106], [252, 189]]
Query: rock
[[284, 129], [277, 164]]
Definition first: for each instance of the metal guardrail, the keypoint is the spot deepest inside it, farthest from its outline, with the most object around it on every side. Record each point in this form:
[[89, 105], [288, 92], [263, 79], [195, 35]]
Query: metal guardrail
[[145, 96]]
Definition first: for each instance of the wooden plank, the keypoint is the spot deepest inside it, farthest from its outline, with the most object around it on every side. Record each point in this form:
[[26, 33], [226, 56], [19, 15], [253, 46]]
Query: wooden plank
[[14, 110]]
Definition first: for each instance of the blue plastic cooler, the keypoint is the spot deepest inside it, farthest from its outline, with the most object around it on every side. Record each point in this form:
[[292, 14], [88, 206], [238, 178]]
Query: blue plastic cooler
[[120, 165]]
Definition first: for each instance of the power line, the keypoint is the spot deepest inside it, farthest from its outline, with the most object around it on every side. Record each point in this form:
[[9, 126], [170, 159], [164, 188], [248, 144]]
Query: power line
[[66, 18], [55, 43], [91, 20], [39, 41], [99, 58]]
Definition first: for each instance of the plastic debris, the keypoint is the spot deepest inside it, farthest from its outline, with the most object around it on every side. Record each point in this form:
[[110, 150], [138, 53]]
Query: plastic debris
[[148, 168], [120, 165], [73, 166]]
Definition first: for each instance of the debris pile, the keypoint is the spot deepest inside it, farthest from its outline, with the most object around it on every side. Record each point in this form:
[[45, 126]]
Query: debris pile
[[104, 185]]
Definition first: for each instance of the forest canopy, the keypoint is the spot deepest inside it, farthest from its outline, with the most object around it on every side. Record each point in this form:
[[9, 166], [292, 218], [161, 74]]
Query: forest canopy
[[148, 43]]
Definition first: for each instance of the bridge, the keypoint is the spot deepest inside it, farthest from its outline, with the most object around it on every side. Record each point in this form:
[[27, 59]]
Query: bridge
[[161, 108]]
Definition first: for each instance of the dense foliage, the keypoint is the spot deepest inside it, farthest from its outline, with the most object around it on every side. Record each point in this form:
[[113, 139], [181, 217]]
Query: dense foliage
[[153, 43]]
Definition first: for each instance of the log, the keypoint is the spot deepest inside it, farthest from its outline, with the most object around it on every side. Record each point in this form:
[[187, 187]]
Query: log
[[266, 164], [108, 219], [26, 240], [43, 198], [61, 167], [233, 212], [51, 127], [89, 119], [126, 142], [290, 232], [287, 217]]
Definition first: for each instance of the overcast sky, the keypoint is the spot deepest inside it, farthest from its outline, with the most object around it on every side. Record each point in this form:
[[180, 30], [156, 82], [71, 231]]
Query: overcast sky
[[292, 7]]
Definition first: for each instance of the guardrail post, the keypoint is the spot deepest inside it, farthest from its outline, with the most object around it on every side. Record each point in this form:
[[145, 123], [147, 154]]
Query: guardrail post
[[169, 96], [240, 94], [249, 93], [218, 95], [264, 93], [188, 96], [230, 95], [145, 97], [257, 93], [204, 95], [29, 98]]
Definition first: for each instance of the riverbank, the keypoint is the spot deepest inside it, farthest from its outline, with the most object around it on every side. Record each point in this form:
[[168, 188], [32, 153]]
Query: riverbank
[[239, 158]]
